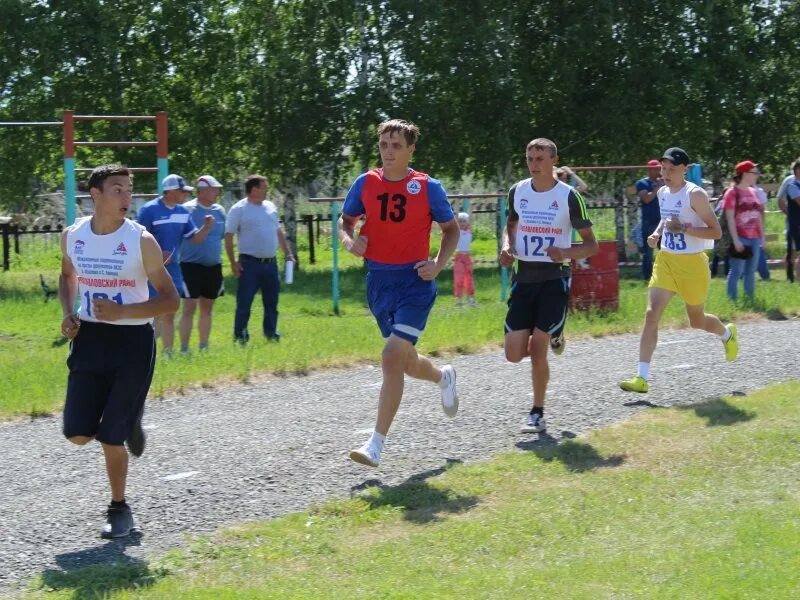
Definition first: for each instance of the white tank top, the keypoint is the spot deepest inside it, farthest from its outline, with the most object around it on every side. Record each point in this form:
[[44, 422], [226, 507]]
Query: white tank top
[[109, 266], [464, 240], [544, 221], [679, 205]]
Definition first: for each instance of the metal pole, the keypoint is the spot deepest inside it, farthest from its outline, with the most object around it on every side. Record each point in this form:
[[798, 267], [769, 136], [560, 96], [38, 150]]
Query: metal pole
[[501, 211], [6, 251], [70, 186], [162, 148], [335, 247]]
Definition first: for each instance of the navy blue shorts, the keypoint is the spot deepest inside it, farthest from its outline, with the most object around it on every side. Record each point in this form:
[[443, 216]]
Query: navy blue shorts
[[400, 301], [110, 370], [541, 305]]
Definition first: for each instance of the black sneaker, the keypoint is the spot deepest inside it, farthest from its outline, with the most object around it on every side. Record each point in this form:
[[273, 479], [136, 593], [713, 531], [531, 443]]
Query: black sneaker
[[136, 440], [119, 522]]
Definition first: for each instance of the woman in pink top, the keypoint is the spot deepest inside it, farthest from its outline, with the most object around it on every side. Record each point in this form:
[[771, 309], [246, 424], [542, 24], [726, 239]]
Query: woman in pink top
[[745, 215]]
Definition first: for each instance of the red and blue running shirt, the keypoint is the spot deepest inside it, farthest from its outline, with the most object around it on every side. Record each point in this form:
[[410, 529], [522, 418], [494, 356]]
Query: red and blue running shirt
[[398, 216]]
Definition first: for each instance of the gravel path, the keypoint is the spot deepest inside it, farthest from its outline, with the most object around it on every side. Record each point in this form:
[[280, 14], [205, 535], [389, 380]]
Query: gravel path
[[218, 457]]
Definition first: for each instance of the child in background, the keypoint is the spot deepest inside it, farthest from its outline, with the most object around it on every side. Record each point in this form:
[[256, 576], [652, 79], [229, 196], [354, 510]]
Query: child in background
[[462, 268]]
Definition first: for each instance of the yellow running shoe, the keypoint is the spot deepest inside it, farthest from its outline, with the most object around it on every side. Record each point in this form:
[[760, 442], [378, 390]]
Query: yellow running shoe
[[637, 384], [732, 345]]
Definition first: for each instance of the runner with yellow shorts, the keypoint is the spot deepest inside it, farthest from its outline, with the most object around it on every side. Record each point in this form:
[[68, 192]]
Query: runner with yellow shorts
[[688, 227]]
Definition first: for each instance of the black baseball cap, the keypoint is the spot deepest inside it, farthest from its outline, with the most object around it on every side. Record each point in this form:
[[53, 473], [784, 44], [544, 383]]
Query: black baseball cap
[[677, 156]]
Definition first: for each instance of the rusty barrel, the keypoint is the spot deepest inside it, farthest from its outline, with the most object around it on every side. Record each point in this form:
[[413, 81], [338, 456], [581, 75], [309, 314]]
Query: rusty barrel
[[595, 280]]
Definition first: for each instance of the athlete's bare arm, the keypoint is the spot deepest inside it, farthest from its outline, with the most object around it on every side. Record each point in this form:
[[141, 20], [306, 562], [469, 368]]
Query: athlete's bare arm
[[507, 247], [346, 227], [702, 207], [167, 300], [428, 270], [652, 239], [588, 248], [67, 292]]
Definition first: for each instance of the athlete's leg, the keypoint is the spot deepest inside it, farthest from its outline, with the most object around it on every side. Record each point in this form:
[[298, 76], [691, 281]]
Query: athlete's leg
[[540, 369], [516, 345], [699, 319], [80, 440], [657, 301], [421, 367], [187, 317], [393, 363], [204, 320], [117, 470]]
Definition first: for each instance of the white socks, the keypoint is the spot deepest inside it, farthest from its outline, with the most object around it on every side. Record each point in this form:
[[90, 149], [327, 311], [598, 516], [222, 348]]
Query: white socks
[[644, 370], [727, 335], [376, 440]]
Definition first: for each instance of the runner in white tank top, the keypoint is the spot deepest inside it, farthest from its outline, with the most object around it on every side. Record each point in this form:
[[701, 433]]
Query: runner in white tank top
[[688, 226], [106, 263], [542, 213]]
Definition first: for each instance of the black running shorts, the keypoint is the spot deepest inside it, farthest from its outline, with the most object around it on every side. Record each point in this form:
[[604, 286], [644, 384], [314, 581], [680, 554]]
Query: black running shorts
[[202, 281], [541, 305], [110, 370]]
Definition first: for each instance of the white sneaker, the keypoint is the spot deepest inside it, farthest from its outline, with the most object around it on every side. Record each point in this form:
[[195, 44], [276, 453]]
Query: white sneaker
[[534, 424], [366, 455], [448, 387]]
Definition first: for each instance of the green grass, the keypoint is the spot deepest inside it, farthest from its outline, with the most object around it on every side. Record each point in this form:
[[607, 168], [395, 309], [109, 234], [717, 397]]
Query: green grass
[[33, 353], [698, 502]]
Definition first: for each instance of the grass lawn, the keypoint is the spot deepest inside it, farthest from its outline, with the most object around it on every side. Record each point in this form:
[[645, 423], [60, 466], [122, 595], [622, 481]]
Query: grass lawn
[[697, 502], [33, 353]]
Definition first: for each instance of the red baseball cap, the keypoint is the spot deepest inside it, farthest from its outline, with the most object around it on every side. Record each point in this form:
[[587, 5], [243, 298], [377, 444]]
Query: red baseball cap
[[745, 166], [653, 163]]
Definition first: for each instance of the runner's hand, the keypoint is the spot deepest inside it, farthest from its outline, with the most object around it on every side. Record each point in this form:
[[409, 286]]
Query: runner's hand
[[106, 310], [675, 226], [652, 240], [427, 269], [236, 268], [70, 326], [555, 254], [208, 221], [506, 257], [357, 246]]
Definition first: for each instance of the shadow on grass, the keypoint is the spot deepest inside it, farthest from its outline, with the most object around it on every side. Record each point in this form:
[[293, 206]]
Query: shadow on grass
[[634, 403], [576, 456], [719, 412], [420, 501], [59, 341], [96, 572]]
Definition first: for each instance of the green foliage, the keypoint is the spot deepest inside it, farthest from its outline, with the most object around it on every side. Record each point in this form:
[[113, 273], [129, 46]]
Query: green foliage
[[294, 88]]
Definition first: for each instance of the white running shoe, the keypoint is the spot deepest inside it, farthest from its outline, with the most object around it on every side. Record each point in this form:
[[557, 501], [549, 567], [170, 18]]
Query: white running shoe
[[366, 455], [558, 343], [534, 424], [448, 387]]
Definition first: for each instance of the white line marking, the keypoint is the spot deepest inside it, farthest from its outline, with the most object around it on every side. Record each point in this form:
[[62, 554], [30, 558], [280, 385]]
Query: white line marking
[[675, 367], [183, 475]]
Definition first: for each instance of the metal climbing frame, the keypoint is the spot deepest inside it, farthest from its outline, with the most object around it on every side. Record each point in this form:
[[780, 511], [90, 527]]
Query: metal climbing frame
[[70, 184]]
